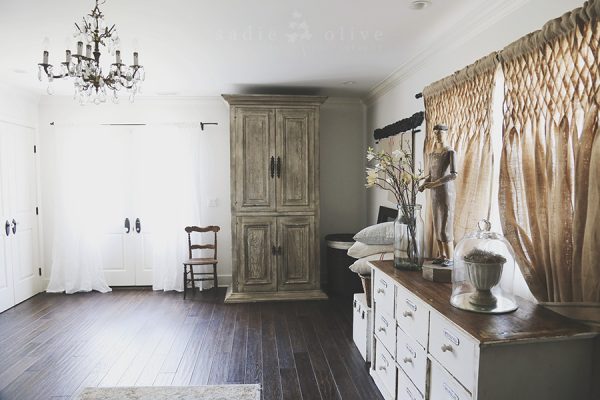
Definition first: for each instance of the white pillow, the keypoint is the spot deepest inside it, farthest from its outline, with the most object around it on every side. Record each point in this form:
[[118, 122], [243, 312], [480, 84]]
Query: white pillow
[[377, 234], [362, 267], [360, 250]]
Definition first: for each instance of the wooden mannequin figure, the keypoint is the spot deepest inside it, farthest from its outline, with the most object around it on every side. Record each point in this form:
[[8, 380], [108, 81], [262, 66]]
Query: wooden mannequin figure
[[440, 180]]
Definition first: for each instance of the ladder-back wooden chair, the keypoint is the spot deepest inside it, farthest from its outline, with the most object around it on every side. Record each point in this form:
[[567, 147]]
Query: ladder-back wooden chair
[[188, 265]]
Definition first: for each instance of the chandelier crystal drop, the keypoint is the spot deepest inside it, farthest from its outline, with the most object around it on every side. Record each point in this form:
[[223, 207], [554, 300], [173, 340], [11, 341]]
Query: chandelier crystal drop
[[92, 85]]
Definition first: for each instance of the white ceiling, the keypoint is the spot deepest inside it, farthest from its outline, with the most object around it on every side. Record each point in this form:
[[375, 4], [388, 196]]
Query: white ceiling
[[203, 47]]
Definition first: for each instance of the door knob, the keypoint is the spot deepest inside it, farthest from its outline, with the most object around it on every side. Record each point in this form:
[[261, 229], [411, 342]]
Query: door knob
[[138, 225], [127, 225], [14, 226], [7, 228]]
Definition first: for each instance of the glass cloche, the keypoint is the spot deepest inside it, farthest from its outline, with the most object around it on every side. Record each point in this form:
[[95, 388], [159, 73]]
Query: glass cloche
[[483, 274]]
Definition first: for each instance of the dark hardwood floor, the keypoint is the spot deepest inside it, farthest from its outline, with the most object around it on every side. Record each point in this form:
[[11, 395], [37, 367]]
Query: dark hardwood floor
[[52, 346]]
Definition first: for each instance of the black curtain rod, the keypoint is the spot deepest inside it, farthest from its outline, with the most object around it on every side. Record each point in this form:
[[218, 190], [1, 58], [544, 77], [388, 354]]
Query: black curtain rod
[[202, 124], [404, 125]]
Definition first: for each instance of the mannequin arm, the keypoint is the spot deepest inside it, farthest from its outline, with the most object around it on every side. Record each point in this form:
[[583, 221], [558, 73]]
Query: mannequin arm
[[446, 178]]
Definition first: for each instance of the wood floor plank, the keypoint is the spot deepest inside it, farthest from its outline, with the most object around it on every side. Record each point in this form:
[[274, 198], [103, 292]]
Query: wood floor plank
[[237, 360], [53, 346], [271, 376], [323, 375], [253, 371]]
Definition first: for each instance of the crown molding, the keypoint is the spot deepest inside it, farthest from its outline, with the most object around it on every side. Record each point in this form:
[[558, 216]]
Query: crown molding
[[467, 28]]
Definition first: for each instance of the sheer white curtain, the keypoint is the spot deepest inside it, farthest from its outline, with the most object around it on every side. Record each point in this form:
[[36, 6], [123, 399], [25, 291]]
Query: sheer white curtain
[[159, 181], [77, 196], [170, 197]]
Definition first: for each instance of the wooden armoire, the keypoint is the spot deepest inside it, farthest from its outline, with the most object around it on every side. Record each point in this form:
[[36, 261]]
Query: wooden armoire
[[274, 197]]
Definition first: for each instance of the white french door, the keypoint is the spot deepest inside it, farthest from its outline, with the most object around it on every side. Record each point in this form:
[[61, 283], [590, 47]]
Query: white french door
[[19, 253], [124, 195], [127, 253]]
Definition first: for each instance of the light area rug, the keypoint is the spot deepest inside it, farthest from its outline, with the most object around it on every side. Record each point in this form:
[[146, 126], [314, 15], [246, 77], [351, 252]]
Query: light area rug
[[216, 392]]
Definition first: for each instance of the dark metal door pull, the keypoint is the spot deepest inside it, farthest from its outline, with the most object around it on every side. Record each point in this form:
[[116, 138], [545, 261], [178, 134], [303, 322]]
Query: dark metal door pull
[[138, 225], [7, 228], [127, 225], [14, 227]]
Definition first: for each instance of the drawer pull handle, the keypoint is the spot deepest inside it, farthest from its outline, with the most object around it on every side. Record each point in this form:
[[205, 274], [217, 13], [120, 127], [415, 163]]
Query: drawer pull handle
[[407, 314], [411, 305], [382, 368], [384, 283], [407, 360], [451, 337], [380, 290], [446, 347], [354, 303], [363, 315], [381, 329], [408, 392], [451, 392]]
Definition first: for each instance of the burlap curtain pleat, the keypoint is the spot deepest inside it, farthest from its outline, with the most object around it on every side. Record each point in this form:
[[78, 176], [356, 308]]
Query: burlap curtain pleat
[[550, 169], [463, 101]]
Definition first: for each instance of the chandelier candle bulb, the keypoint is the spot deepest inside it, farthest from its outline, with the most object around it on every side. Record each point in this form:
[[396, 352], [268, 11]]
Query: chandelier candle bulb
[[45, 57], [79, 48], [88, 51], [118, 56], [68, 56], [135, 58]]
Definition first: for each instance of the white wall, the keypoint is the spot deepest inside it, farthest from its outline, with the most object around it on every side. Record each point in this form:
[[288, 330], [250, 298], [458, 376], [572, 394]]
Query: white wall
[[343, 196], [343, 201], [399, 100], [18, 105]]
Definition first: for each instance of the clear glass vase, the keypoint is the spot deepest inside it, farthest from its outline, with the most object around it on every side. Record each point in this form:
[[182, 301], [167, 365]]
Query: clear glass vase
[[408, 238]]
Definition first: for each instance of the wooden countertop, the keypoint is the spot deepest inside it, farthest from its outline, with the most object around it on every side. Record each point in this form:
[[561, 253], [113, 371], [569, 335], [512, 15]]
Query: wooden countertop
[[529, 322]]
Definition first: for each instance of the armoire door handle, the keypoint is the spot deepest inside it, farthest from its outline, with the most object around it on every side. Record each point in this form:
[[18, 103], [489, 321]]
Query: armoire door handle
[[14, 226], [7, 228], [279, 167], [127, 225], [138, 225], [272, 167]]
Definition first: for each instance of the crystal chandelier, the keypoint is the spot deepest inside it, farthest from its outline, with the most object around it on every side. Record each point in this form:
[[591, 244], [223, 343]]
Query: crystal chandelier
[[91, 85]]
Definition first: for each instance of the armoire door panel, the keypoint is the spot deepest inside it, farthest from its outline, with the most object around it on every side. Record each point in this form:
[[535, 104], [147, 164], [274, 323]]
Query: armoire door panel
[[254, 160], [256, 270], [296, 237], [295, 152]]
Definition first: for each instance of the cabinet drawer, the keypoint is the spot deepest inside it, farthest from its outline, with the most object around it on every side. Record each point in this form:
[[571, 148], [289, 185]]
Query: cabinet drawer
[[412, 315], [445, 387], [453, 349], [406, 389], [412, 359], [361, 326], [385, 330], [383, 293], [385, 368]]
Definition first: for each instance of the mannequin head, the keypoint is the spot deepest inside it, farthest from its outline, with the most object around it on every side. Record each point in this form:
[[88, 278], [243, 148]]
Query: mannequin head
[[440, 133]]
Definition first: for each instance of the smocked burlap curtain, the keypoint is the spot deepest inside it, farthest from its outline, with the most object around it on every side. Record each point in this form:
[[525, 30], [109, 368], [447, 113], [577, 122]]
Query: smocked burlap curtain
[[550, 168], [463, 101]]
